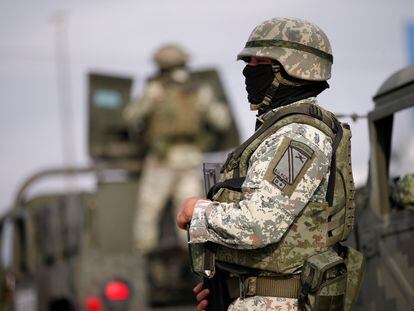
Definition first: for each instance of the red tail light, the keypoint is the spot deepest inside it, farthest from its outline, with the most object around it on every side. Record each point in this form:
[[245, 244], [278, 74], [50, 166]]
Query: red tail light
[[93, 303], [117, 290]]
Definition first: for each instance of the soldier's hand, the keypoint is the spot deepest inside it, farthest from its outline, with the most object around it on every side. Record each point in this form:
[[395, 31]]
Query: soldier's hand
[[186, 212], [201, 295]]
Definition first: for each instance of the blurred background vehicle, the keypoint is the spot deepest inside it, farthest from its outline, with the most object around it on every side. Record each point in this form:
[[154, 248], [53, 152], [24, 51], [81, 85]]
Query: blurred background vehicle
[[384, 228], [74, 250]]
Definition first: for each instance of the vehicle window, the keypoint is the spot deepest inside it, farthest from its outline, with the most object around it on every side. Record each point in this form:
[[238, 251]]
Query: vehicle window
[[109, 99]]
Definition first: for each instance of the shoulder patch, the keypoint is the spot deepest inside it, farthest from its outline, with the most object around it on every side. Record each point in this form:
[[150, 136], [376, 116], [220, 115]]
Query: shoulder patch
[[289, 164]]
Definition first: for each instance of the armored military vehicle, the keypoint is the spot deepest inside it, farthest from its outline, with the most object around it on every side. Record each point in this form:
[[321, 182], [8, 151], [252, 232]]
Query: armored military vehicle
[[384, 231], [73, 249], [65, 254]]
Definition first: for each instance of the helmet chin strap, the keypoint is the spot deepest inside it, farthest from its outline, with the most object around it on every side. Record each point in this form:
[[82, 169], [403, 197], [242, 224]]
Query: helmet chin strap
[[267, 99], [272, 89]]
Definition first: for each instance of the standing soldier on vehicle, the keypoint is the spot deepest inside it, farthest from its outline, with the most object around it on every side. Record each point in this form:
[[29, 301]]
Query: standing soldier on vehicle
[[285, 199], [174, 112]]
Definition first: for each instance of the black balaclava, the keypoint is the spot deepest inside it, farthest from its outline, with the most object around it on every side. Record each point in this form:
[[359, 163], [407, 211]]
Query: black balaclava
[[259, 80]]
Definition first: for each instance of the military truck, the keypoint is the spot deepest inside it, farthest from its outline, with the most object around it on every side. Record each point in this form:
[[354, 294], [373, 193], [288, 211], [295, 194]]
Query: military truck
[[384, 231], [73, 249], [65, 252]]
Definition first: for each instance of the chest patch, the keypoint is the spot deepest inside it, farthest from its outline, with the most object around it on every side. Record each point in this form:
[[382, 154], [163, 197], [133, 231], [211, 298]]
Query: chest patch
[[289, 165]]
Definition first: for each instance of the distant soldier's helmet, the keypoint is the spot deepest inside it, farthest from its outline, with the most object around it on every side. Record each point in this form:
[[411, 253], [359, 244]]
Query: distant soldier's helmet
[[170, 56], [403, 194], [301, 47]]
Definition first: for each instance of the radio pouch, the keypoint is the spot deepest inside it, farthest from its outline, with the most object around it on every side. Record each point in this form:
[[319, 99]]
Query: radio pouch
[[323, 282]]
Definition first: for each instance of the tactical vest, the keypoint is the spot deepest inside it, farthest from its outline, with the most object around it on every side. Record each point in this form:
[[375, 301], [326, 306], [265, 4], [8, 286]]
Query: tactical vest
[[176, 117], [320, 225]]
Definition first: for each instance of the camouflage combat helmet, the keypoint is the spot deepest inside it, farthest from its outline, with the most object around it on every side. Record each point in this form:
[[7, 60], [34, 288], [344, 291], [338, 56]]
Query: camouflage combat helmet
[[169, 56], [403, 194], [301, 47]]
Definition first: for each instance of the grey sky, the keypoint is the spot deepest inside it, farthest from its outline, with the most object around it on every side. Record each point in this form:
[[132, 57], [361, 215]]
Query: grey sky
[[368, 39]]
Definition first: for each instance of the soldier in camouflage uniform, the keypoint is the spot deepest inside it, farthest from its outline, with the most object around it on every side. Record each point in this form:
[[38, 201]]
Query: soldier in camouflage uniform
[[286, 196], [174, 111]]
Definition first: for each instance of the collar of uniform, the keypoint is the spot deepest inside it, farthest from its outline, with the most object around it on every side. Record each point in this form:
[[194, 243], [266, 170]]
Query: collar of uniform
[[262, 118]]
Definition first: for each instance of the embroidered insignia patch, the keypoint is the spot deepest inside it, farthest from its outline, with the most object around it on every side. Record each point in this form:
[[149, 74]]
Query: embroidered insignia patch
[[291, 163]]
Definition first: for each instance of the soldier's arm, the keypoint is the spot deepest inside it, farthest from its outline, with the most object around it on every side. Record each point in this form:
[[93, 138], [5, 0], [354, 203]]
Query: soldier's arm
[[216, 112], [284, 173], [137, 111]]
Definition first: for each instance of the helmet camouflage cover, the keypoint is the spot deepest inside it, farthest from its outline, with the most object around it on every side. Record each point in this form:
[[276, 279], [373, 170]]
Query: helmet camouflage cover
[[169, 56], [404, 192], [301, 47]]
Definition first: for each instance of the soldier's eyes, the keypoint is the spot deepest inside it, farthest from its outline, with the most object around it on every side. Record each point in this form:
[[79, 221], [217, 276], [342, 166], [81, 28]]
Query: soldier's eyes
[[263, 61], [256, 61]]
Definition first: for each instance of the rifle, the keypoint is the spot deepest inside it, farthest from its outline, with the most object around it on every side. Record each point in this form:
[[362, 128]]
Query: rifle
[[202, 256]]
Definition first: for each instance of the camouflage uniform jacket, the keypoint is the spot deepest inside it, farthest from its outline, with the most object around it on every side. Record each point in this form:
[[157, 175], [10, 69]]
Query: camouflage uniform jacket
[[266, 212], [174, 114], [155, 93]]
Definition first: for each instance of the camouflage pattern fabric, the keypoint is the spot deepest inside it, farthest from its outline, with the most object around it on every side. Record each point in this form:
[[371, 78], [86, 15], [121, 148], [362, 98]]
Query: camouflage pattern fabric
[[301, 47], [258, 303], [355, 264], [160, 181], [403, 194], [325, 274], [298, 155], [266, 211], [172, 110], [310, 232], [169, 56]]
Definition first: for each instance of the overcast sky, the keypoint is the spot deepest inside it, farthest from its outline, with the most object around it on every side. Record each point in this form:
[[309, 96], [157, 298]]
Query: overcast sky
[[369, 40]]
